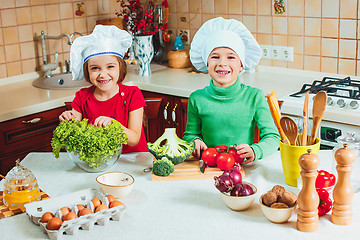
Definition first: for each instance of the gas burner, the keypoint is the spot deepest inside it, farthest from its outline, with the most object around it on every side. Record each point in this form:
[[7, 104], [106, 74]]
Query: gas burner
[[337, 87]]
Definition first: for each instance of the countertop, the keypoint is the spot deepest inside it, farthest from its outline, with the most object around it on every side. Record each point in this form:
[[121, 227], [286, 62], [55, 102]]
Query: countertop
[[19, 98], [184, 209]]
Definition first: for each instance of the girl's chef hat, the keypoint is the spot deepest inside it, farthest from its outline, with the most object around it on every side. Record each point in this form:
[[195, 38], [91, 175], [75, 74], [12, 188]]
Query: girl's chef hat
[[219, 32], [103, 40]]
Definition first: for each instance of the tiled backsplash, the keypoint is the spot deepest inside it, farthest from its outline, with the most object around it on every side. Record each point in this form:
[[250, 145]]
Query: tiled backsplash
[[325, 34], [21, 21]]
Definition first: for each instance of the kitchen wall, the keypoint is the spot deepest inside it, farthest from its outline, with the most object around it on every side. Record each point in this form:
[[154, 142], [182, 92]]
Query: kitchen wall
[[21, 21], [325, 34]]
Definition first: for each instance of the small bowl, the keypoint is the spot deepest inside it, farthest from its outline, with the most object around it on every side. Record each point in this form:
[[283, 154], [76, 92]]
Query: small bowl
[[239, 203], [118, 184], [276, 215]]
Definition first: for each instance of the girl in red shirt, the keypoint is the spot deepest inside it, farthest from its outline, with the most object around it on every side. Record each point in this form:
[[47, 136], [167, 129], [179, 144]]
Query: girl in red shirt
[[98, 58]]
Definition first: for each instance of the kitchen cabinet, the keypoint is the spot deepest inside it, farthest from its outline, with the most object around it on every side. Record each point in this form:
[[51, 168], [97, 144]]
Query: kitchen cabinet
[[164, 111], [31, 133]]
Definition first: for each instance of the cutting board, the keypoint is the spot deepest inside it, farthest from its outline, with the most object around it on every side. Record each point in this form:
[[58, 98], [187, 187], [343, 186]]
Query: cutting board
[[189, 169], [8, 212]]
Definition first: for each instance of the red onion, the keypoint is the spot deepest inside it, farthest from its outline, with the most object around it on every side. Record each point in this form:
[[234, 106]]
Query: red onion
[[236, 190], [246, 190], [241, 190], [234, 173], [223, 183]]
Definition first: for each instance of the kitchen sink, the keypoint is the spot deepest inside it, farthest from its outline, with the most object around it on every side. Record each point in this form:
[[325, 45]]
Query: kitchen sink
[[60, 81]]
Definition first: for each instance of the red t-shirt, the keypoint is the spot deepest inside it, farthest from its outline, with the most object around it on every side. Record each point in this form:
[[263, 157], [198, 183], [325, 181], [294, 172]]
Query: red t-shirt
[[128, 99]]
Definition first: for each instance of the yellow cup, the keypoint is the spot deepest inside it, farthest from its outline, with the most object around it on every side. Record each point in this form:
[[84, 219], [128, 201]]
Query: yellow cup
[[290, 155]]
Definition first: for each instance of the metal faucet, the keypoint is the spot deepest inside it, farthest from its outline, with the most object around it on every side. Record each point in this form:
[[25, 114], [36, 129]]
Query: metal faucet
[[47, 68]]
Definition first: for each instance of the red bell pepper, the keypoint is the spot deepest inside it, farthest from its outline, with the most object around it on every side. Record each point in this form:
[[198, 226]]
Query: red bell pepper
[[324, 179], [325, 204]]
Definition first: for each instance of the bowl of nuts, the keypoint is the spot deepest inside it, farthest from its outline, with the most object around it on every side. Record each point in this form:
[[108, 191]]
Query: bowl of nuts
[[278, 204]]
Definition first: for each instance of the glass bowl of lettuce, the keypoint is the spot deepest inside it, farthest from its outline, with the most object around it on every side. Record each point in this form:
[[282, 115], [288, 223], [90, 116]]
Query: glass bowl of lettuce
[[98, 163], [93, 149]]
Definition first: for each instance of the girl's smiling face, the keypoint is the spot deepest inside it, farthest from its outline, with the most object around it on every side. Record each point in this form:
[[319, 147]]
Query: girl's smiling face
[[104, 71], [224, 66]]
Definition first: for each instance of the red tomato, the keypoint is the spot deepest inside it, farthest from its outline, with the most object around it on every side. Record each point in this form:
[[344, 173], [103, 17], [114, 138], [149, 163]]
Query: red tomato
[[235, 155], [209, 156], [221, 148], [225, 161]]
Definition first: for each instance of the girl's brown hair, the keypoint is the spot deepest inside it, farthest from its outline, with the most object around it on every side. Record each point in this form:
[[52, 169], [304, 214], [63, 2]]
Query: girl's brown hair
[[122, 67]]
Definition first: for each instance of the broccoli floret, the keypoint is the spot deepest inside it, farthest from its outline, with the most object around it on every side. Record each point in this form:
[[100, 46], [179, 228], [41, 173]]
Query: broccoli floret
[[174, 149], [163, 167]]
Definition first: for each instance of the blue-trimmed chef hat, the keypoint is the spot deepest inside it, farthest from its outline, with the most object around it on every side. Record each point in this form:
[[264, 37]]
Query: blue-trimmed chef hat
[[104, 40]]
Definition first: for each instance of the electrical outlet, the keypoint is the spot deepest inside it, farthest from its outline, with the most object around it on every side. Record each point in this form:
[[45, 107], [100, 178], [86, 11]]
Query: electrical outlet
[[275, 53], [287, 54], [280, 53], [266, 51]]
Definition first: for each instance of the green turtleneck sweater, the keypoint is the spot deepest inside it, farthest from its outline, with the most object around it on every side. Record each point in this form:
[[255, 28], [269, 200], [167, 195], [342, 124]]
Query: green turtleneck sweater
[[228, 116]]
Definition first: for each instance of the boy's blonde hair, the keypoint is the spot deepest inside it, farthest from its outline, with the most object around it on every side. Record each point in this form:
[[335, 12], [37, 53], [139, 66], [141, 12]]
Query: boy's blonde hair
[[122, 66]]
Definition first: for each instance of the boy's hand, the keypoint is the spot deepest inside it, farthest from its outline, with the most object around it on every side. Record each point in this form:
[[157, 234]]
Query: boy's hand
[[68, 115], [199, 145], [102, 121], [245, 151]]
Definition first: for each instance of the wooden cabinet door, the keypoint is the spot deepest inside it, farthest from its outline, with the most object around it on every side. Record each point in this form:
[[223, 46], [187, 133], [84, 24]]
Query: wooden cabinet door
[[152, 126], [32, 133], [179, 115]]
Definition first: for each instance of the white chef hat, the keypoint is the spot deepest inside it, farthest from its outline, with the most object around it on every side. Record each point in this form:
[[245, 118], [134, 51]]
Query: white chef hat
[[230, 33], [104, 40]]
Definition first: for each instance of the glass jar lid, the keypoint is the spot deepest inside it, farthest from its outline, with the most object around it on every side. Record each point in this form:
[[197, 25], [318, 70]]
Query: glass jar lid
[[349, 139], [19, 176]]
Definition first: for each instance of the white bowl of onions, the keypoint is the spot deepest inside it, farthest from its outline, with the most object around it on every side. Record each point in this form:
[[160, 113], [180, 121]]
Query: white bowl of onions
[[240, 202], [238, 195]]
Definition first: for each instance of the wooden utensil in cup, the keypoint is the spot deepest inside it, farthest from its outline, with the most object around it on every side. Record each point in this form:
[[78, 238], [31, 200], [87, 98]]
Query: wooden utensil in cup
[[305, 119], [275, 113], [318, 111], [290, 129]]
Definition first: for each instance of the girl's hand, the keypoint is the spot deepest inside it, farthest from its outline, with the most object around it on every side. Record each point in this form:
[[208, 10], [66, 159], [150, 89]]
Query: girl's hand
[[245, 151], [68, 115], [199, 145], [102, 121]]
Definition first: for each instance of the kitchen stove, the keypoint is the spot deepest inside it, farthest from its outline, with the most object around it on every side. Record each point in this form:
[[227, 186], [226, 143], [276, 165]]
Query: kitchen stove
[[342, 114]]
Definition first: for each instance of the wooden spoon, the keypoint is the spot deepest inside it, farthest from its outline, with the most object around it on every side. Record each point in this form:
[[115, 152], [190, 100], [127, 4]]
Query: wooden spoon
[[305, 119], [318, 111], [275, 113], [290, 129]]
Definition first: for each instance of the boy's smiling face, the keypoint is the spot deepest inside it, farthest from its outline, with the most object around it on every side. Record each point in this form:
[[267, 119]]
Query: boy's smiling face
[[224, 66]]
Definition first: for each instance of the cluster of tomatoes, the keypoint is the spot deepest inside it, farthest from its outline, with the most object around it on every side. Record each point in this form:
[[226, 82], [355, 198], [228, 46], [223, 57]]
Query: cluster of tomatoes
[[222, 156]]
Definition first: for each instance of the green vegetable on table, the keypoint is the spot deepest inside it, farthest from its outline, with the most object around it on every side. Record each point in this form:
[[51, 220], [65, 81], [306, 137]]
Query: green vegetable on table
[[92, 144], [163, 167], [175, 149]]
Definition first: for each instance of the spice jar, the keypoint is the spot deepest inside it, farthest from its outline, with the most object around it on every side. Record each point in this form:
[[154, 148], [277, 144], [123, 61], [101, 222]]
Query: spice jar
[[354, 144], [20, 187]]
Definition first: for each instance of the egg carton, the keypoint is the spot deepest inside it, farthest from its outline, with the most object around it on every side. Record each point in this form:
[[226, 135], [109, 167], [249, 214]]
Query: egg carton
[[36, 209]]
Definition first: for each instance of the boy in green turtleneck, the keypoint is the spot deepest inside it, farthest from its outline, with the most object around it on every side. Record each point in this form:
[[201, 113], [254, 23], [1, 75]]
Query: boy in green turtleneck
[[226, 111]]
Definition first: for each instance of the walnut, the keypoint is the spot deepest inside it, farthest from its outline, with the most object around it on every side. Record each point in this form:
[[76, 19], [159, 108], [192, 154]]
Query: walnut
[[279, 190], [288, 198], [279, 205], [269, 198]]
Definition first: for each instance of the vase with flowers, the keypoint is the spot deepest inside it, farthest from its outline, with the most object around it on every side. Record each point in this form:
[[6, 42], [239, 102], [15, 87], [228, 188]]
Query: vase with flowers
[[140, 23]]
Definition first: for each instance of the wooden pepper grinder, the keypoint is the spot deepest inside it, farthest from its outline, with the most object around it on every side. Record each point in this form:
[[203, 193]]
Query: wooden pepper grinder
[[308, 199], [343, 192]]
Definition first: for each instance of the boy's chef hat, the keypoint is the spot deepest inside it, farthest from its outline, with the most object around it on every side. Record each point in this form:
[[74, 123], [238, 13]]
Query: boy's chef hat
[[103, 40], [219, 32]]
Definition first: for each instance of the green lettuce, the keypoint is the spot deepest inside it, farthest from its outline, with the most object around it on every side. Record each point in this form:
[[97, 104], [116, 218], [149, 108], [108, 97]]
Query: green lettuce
[[92, 144]]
